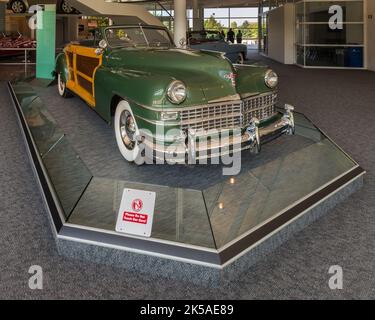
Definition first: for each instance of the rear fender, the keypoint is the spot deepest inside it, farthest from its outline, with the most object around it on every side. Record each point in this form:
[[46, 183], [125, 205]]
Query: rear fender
[[62, 67]]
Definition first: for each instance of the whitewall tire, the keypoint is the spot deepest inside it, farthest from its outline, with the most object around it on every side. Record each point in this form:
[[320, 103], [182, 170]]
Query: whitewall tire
[[61, 86], [127, 132]]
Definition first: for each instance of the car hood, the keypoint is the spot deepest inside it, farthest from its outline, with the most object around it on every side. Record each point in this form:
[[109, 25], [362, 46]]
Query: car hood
[[238, 45], [208, 76]]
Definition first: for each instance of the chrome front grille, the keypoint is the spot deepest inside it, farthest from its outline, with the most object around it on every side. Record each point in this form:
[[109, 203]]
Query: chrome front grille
[[229, 115], [216, 116], [261, 107]]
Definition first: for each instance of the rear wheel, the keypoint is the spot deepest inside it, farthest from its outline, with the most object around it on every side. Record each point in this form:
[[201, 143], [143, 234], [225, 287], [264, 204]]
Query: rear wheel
[[18, 6], [61, 86]]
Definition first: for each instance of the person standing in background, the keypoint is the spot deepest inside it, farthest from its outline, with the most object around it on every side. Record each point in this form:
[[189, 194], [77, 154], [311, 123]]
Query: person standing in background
[[230, 35], [222, 33], [239, 37]]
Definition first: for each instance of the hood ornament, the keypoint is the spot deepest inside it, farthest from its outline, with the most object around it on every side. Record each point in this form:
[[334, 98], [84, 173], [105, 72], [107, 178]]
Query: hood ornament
[[232, 77]]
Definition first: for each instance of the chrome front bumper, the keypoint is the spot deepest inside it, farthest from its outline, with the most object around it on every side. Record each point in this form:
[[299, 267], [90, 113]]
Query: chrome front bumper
[[196, 146]]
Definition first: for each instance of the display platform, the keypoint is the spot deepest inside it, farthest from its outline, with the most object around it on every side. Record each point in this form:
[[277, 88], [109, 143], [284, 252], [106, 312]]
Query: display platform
[[201, 217]]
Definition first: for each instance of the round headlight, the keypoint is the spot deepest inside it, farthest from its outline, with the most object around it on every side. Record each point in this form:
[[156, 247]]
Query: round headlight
[[271, 79], [176, 92]]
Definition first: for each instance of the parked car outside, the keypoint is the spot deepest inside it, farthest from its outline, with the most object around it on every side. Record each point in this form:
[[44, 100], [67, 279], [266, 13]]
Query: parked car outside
[[213, 40], [165, 99]]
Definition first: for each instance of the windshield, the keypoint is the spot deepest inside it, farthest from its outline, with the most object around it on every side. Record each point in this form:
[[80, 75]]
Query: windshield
[[139, 36]]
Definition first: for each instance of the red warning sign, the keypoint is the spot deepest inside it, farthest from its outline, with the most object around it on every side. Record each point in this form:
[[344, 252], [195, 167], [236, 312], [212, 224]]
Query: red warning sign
[[135, 217], [136, 212]]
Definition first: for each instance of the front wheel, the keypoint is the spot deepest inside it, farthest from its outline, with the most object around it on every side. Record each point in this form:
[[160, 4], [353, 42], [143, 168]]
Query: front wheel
[[127, 133]]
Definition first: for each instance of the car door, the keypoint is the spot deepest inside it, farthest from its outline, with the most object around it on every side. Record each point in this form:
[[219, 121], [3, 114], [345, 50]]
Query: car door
[[83, 61]]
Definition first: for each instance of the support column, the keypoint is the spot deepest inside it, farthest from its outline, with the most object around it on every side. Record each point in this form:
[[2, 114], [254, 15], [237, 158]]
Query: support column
[[198, 16], [2, 16], [260, 27], [180, 23], [72, 28], [46, 44]]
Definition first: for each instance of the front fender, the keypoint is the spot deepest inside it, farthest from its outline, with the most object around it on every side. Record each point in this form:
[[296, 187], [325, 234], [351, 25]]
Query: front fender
[[138, 87], [135, 87], [62, 67], [250, 79]]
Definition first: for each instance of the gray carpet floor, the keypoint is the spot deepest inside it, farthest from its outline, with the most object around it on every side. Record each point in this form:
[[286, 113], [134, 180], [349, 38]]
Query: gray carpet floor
[[340, 102]]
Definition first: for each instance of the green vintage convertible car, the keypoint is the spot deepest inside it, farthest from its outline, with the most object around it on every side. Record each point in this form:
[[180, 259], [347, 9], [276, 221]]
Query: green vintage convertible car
[[180, 104]]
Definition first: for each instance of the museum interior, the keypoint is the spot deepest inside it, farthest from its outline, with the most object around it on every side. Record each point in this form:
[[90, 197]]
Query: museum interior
[[187, 149]]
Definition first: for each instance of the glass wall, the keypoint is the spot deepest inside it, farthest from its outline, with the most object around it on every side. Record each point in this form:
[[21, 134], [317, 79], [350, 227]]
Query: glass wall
[[244, 19], [321, 44], [164, 13]]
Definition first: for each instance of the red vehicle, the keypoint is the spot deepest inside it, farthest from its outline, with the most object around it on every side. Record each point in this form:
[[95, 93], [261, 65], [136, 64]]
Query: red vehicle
[[14, 42]]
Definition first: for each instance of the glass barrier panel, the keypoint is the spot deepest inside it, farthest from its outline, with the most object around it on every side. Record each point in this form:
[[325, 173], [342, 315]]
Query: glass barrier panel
[[68, 174], [248, 200], [180, 214], [44, 129]]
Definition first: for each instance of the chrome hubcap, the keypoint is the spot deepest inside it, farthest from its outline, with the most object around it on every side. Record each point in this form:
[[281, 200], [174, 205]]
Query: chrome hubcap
[[17, 6], [128, 130]]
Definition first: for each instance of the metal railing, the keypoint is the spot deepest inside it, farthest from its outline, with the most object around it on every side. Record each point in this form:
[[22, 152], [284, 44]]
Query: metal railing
[[26, 61]]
